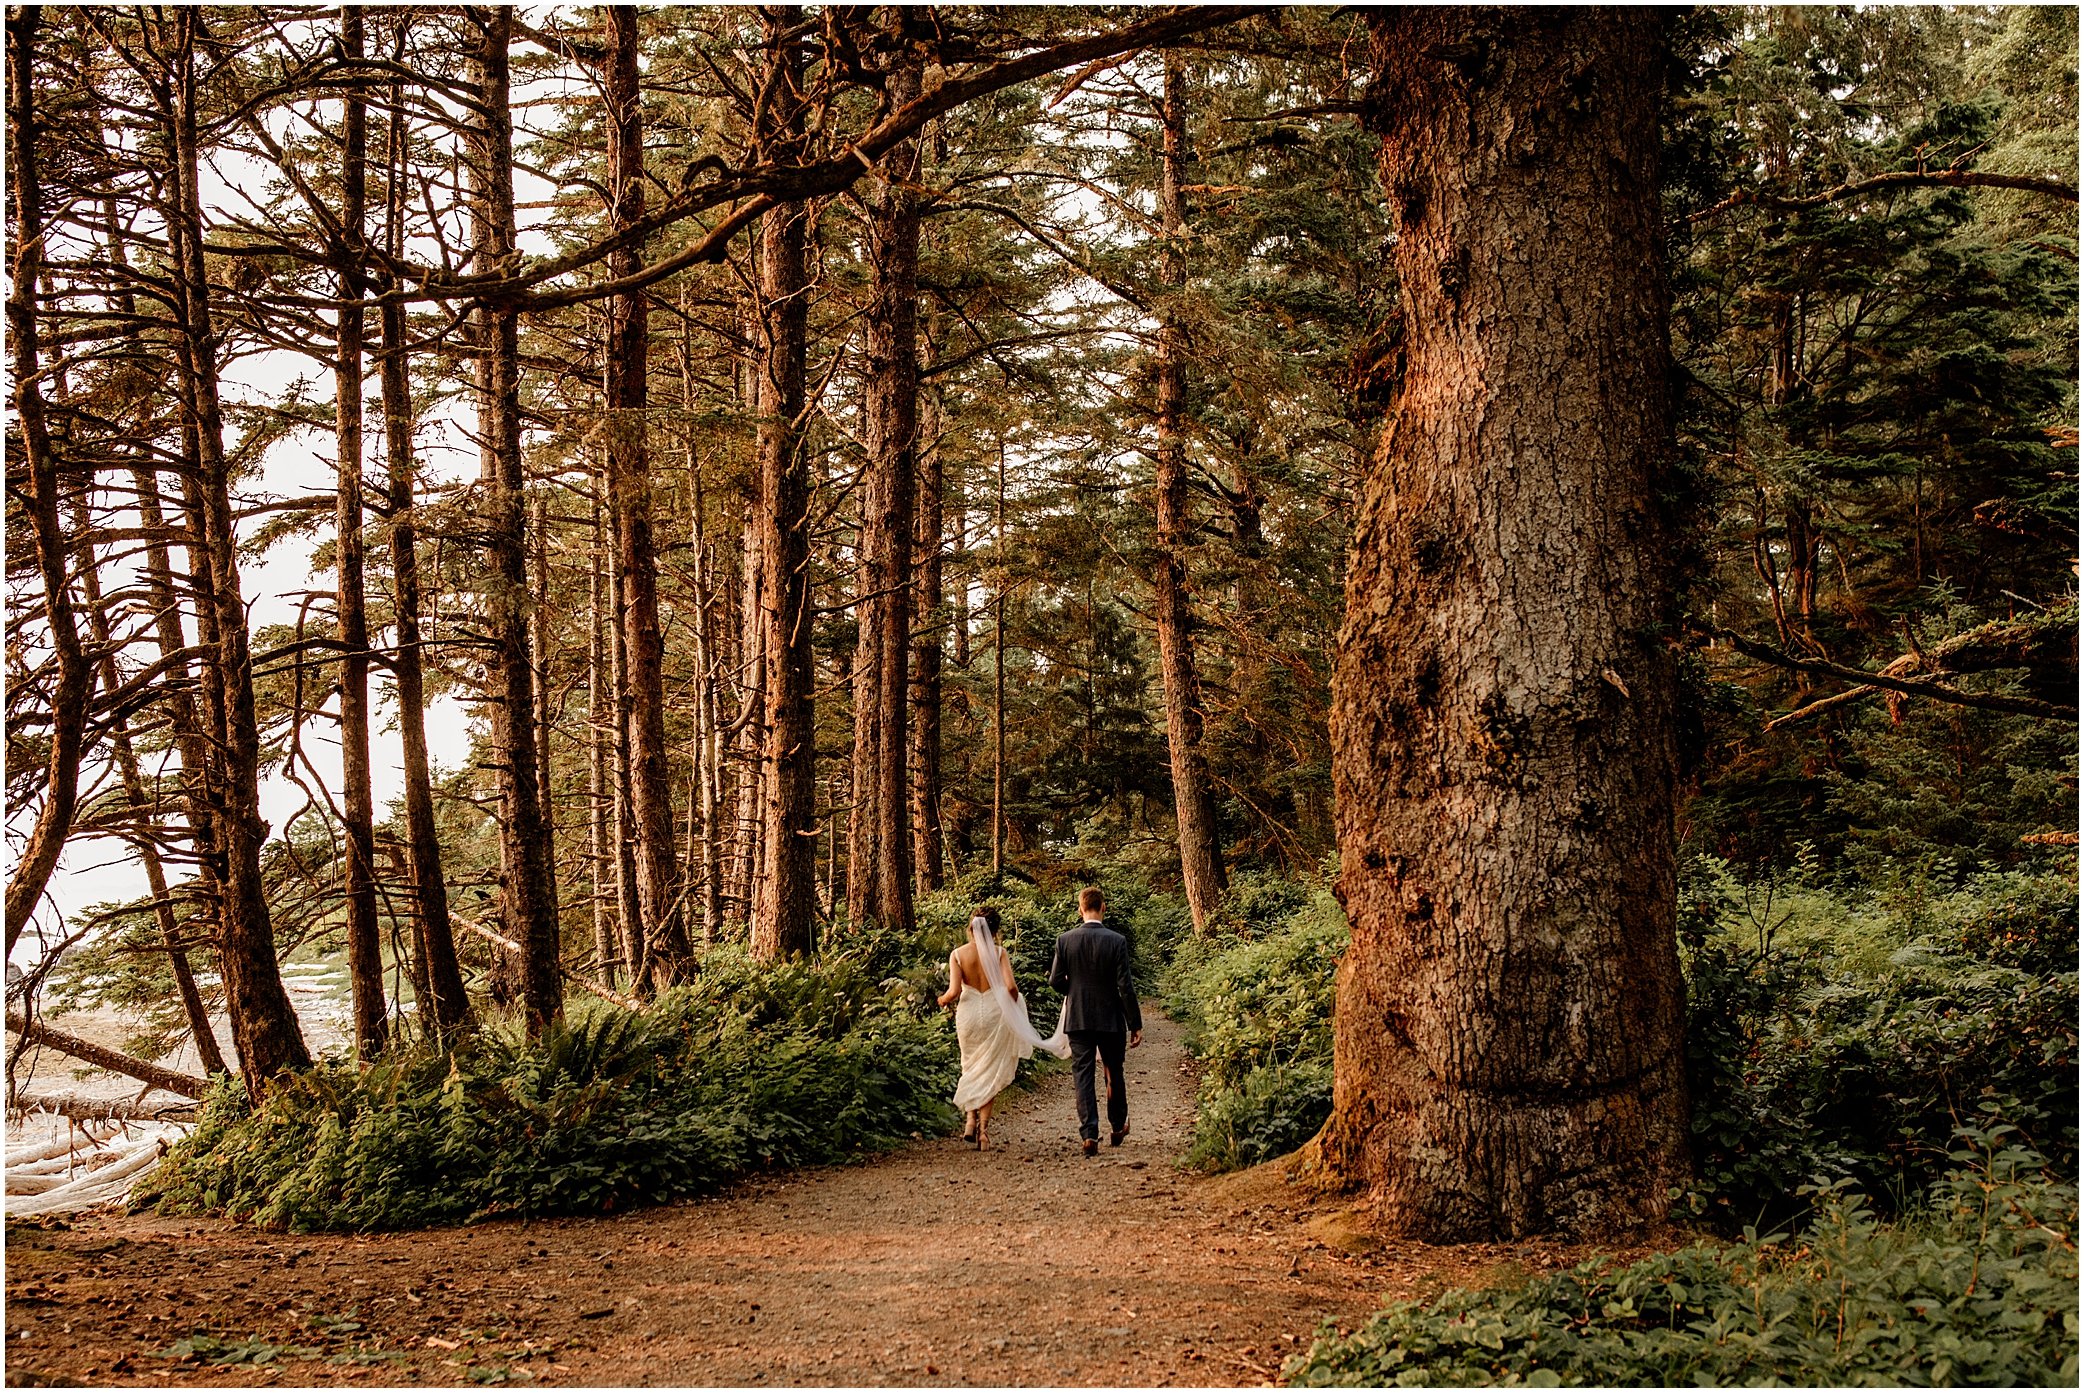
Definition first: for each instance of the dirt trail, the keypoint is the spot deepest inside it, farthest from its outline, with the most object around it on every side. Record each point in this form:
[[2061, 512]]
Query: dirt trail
[[1025, 1265]]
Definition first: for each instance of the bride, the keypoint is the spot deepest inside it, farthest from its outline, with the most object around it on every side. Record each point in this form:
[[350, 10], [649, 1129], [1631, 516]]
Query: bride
[[991, 1022]]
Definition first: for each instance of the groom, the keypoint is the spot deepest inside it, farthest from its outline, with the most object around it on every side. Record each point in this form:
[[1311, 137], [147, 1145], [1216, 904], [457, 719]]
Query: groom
[[1091, 969]]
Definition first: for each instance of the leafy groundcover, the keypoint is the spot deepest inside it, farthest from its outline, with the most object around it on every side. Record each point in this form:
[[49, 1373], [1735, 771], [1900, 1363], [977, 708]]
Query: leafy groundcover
[[1978, 1289], [753, 1067]]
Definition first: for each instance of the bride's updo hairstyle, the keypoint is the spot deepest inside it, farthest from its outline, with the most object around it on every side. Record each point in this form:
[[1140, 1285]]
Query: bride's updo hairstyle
[[989, 914]]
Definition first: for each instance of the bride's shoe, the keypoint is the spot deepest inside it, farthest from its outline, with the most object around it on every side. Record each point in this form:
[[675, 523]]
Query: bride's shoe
[[969, 1127]]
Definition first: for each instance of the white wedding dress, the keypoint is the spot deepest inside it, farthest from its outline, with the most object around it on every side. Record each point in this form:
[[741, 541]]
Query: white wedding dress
[[993, 1030]]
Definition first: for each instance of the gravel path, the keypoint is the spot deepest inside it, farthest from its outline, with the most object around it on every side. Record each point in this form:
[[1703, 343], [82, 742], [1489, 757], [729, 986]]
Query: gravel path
[[1024, 1265]]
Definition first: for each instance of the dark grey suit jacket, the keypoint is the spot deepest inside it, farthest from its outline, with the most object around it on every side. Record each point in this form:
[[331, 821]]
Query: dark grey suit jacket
[[1091, 969]]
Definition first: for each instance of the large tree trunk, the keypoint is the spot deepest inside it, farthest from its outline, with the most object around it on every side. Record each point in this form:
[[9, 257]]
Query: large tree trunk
[[444, 1007], [929, 628], [365, 969], [1200, 845], [264, 1027], [665, 960], [879, 861], [528, 900], [73, 676], [1509, 1013], [785, 898]]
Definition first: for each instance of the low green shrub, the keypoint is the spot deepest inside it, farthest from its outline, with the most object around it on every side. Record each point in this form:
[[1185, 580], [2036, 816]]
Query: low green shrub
[[1270, 1112], [1978, 1288], [1831, 1036], [1256, 998], [750, 1068]]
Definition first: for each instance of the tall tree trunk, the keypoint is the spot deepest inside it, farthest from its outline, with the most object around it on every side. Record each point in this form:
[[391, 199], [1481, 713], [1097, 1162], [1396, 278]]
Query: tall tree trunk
[[751, 737], [629, 902], [264, 1027], [785, 899], [1783, 383], [73, 676], [705, 868], [1200, 847], [930, 628], [180, 716], [879, 861], [142, 801], [607, 943], [666, 959], [365, 969], [528, 899], [539, 642], [181, 712], [444, 1007], [748, 738], [998, 675], [1508, 1051]]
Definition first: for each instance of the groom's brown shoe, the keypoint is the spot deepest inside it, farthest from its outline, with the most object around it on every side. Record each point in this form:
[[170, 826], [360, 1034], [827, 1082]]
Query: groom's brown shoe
[[1090, 1146]]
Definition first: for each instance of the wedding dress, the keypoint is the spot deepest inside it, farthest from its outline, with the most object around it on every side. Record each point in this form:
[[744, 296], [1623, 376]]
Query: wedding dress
[[993, 1030]]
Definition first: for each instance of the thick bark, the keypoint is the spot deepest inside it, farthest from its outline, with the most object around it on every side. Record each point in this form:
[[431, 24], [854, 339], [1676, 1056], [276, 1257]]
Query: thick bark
[[879, 858], [1194, 804], [784, 901], [1508, 1033], [438, 977], [264, 1026], [365, 969], [72, 675], [929, 628], [665, 959], [528, 900]]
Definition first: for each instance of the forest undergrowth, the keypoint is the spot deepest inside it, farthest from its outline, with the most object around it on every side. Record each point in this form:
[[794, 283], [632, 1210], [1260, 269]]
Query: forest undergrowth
[[1885, 1122], [1883, 1073], [751, 1068]]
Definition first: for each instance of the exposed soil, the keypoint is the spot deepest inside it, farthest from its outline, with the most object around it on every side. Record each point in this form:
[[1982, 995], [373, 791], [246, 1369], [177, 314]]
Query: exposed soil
[[1025, 1265]]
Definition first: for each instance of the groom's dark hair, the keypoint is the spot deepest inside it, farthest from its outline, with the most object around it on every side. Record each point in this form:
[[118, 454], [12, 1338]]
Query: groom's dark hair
[[1090, 899]]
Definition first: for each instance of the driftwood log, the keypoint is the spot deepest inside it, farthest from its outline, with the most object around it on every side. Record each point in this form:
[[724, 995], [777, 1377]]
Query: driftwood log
[[86, 1051], [78, 1109]]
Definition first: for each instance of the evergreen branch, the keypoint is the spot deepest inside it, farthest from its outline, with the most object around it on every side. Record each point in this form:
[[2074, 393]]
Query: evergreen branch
[[1920, 687], [1897, 179]]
